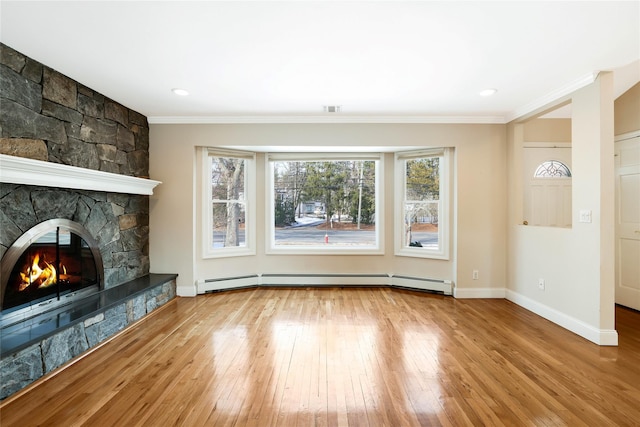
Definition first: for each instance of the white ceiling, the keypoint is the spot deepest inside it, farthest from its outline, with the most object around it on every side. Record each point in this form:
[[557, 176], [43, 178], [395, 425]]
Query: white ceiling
[[411, 61]]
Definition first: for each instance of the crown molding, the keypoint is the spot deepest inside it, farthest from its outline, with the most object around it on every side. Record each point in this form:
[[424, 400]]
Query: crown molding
[[559, 95], [328, 118], [19, 170]]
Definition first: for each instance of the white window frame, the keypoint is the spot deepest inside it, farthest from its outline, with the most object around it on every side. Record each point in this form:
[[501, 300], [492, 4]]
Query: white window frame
[[321, 248], [444, 208], [208, 251]]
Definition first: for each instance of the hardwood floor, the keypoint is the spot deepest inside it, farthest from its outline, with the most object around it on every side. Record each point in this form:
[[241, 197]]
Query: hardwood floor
[[338, 357]]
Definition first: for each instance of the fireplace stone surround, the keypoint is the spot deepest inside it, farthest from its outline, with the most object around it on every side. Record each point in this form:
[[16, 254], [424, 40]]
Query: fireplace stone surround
[[50, 118]]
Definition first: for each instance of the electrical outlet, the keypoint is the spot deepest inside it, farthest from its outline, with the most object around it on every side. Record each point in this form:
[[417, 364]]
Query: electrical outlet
[[475, 275], [541, 284]]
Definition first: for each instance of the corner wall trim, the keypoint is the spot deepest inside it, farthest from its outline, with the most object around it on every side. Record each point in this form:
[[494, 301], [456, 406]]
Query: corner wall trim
[[598, 336]]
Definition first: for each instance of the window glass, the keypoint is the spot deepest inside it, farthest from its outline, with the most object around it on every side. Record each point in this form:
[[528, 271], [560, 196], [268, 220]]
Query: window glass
[[421, 199], [327, 204], [228, 199]]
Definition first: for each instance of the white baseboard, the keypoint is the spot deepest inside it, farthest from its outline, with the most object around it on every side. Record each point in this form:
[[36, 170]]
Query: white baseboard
[[469, 293], [186, 291], [599, 336]]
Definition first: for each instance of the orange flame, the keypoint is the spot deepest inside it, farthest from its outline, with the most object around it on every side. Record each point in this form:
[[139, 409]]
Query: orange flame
[[37, 276]]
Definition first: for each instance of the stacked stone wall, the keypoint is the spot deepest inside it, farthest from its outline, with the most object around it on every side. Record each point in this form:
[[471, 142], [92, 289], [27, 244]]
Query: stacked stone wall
[[48, 116]]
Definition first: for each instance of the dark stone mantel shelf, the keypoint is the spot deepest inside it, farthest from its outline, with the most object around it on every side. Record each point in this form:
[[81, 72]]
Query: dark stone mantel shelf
[[17, 336]]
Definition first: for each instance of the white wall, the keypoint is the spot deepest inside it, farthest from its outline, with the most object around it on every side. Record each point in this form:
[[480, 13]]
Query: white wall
[[576, 263], [479, 238]]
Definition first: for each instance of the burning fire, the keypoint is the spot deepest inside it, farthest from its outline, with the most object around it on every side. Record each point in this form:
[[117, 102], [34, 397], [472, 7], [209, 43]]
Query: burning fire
[[37, 276]]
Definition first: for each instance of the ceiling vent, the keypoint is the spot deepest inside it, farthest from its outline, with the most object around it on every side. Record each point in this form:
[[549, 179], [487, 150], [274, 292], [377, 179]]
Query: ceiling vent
[[332, 108]]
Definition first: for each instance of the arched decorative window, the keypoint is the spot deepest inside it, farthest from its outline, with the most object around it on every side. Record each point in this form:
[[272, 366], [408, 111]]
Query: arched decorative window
[[552, 169]]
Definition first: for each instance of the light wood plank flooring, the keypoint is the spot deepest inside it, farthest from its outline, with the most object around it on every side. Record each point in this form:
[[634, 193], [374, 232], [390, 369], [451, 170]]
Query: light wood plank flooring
[[342, 357]]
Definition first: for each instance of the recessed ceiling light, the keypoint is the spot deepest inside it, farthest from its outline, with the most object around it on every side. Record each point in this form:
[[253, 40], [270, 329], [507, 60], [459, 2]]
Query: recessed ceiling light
[[181, 92], [487, 92]]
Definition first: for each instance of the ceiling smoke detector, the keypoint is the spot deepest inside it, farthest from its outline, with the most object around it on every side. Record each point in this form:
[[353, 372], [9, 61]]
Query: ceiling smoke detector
[[332, 108]]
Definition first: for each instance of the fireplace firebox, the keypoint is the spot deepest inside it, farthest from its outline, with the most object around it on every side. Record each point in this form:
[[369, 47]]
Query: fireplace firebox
[[53, 263]]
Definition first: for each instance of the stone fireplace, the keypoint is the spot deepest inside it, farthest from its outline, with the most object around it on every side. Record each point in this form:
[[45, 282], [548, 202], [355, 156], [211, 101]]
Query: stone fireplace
[[74, 203], [51, 264]]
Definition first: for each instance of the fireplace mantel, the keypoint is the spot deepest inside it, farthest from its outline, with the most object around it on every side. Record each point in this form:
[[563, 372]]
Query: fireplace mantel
[[18, 170]]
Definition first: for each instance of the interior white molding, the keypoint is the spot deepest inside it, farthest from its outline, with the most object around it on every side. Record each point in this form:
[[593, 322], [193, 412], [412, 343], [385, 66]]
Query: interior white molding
[[19, 170], [549, 99], [334, 118], [595, 335]]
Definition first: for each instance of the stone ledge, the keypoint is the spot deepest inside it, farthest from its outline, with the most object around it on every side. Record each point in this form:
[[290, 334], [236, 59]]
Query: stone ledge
[[35, 347]]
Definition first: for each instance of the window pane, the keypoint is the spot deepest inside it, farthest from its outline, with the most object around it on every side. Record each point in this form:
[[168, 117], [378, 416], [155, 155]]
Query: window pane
[[228, 222], [421, 224], [422, 204], [423, 179], [227, 178], [325, 203]]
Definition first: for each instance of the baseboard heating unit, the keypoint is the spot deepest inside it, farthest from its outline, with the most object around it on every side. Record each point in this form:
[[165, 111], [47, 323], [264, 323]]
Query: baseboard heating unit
[[317, 280]]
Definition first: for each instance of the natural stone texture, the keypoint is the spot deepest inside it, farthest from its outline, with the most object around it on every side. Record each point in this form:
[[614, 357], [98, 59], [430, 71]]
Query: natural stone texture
[[77, 153], [90, 107], [139, 163], [19, 370], [10, 231], [121, 159], [73, 130], [17, 88], [93, 320], [117, 210], [137, 204], [121, 199], [108, 233], [116, 112], [111, 277], [134, 238], [18, 121], [107, 152], [25, 366], [11, 58], [115, 320], [85, 90], [50, 204], [33, 71], [125, 139], [35, 149], [98, 131], [159, 296], [63, 346], [83, 209], [95, 222], [128, 221], [61, 112], [110, 167], [136, 308], [17, 206], [59, 88], [142, 139], [138, 119]]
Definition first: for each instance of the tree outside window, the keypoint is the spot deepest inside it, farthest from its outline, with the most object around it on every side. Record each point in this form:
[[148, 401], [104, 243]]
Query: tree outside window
[[324, 204], [422, 207]]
